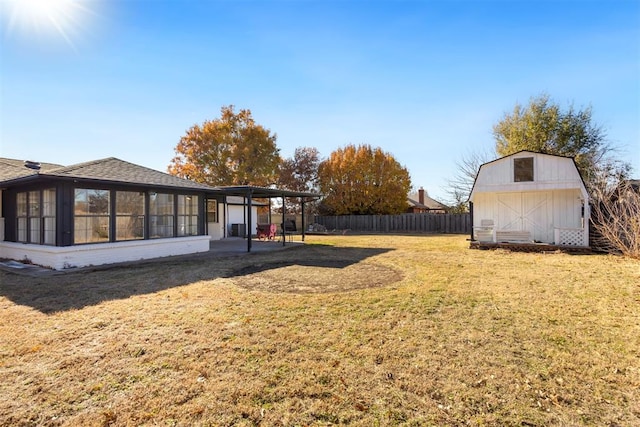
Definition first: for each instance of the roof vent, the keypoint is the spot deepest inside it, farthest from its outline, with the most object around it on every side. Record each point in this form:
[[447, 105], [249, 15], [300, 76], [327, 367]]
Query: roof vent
[[32, 165]]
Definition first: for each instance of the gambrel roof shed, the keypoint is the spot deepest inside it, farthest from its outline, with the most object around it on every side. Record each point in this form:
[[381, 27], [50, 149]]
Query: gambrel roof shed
[[532, 194]]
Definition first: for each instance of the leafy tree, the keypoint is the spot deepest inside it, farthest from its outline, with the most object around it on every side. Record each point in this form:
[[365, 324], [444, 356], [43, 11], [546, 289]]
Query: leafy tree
[[543, 126], [230, 150], [300, 173], [363, 181]]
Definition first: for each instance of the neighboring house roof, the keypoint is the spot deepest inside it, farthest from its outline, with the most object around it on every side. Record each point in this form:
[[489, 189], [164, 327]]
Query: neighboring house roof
[[427, 203], [109, 169]]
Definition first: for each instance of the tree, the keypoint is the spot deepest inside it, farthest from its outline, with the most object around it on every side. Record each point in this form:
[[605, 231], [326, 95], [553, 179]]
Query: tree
[[230, 150], [300, 173], [462, 182], [544, 127], [363, 181]]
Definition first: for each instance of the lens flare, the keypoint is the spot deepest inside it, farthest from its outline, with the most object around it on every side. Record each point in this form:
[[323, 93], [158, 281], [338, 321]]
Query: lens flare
[[45, 20]]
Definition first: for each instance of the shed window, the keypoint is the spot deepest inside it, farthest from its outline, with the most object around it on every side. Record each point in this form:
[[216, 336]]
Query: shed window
[[523, 169]]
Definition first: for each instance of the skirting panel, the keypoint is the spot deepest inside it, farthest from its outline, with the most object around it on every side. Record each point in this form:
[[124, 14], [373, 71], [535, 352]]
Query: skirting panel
[[60, 258]]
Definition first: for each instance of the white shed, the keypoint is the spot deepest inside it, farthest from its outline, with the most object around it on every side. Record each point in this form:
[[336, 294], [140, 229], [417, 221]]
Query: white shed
[[532, 197]]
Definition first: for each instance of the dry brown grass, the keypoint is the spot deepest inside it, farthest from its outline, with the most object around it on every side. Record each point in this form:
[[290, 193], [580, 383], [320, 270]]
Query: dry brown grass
[[360, 330]]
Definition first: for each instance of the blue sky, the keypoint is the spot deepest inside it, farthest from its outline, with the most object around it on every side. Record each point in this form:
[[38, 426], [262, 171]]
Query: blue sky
[[423, 80]]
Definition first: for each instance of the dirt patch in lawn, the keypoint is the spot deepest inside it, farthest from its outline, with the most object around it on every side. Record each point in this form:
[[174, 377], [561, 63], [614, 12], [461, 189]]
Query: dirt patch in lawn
[[319, 277]]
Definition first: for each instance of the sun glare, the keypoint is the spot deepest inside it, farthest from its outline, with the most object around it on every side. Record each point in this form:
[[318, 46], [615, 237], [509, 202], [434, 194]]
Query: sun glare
[[45, 20]]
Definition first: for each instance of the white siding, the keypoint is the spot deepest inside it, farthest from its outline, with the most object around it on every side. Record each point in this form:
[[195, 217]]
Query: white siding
[[550, 173], [568, 209], [237, 214], [553, 201]]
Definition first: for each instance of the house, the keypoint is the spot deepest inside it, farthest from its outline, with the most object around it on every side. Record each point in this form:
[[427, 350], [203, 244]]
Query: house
[[420, 202], [530, 197], [99, 212], [110, 210]]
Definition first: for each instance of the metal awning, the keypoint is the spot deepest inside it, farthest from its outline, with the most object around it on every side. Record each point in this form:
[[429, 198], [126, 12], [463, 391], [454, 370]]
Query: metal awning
[[250, 192]]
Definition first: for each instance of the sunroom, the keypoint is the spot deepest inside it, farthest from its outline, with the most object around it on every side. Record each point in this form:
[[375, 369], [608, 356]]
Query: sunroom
[[99, 212]]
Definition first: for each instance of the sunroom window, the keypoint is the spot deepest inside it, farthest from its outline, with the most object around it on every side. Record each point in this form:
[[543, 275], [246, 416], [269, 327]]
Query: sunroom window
[[36, 217], [91, 216], [161, 214], [187, 215], [129, 215]]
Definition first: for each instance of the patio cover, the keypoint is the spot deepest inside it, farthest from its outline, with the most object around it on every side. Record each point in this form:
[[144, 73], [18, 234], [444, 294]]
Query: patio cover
[[250, 192]]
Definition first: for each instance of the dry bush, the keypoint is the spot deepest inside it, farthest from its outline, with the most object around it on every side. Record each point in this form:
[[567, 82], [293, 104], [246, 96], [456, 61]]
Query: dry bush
[[616, 220]]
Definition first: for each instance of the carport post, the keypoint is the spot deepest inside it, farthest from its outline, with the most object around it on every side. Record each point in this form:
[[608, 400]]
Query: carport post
[[248, 226], [284, 211], [302, 203]]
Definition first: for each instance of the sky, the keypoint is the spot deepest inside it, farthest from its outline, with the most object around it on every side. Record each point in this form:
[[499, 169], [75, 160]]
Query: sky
[[426, 81]]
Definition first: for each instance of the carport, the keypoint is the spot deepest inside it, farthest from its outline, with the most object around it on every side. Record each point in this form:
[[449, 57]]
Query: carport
[[250, 192]]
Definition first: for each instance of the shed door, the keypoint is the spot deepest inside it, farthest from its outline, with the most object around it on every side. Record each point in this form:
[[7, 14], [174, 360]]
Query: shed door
[[509, 211], [536, 209], [526, 211]]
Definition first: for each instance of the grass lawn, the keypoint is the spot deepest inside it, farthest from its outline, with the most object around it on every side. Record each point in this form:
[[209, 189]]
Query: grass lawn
[[360, 330]]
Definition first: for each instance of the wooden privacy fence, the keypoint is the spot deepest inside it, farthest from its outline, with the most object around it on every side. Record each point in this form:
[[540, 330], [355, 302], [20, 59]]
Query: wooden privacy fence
[[403, 223]]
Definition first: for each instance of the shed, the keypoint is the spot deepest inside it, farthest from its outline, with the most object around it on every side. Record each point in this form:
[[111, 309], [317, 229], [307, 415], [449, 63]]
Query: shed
[[530, 197]]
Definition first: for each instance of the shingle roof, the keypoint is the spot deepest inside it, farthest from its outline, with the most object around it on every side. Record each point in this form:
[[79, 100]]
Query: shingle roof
[[109, 169], [429, 203], [12, 169]]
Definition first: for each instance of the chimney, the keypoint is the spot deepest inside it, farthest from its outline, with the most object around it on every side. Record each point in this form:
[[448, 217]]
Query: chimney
[[421, 196]]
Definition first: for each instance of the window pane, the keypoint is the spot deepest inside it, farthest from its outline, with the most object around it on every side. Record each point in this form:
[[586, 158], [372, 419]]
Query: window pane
[[98, 202], [22, 229], [129, 215], [34, 230], [523, 169], [161, 226], [187, 215], [49, 231], [49, 202], [22, 204], [49, 216], [81, 207], [34, 203], [91, 216], [161, 215], [212, 211]]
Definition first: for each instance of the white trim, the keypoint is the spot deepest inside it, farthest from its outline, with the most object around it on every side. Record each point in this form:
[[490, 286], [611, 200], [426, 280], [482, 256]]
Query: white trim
[[62, 257]]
